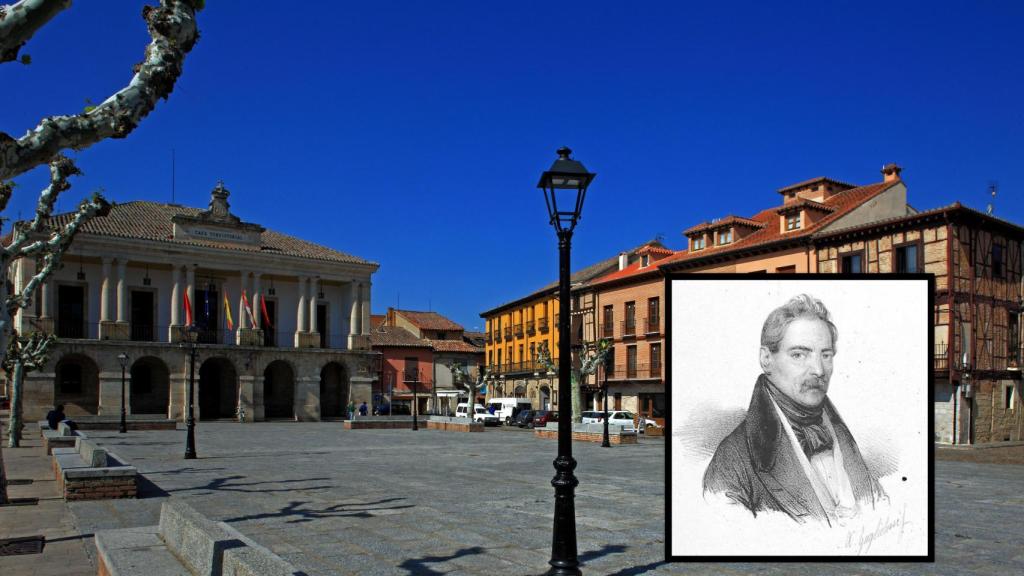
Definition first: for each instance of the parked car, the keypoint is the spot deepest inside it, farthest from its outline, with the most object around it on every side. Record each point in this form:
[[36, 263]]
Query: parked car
[[480, 414], [542, 417], [619, 418], [524, 419]]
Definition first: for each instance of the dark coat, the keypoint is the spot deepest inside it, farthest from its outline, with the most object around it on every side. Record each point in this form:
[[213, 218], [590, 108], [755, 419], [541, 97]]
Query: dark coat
[[756, 465]]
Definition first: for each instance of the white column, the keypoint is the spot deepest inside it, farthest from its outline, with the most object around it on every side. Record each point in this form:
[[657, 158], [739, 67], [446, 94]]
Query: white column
[[364, 324], [354, 314], [300, 324], [122, 295], [105, 290], [176, 296], [242, 285], [257, 293], [313, 288], [190, 288], [46, 296]]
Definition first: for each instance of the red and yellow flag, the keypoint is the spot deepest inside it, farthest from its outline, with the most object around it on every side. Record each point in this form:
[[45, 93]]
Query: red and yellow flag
[[227, 311]]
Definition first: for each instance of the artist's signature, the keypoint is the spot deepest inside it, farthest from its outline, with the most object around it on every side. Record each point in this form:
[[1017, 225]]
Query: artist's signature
[[863, 539]]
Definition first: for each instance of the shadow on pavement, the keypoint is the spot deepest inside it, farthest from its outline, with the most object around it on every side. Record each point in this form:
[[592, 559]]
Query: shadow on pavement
[[222, 485], [297, 514], [417, 566], [147, 489]]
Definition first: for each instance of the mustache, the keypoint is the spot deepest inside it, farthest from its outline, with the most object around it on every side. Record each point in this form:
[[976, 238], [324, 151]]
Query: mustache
[[814, 383]]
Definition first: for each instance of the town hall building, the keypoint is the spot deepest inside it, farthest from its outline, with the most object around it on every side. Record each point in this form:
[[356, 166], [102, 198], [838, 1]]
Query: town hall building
[[282, 325]]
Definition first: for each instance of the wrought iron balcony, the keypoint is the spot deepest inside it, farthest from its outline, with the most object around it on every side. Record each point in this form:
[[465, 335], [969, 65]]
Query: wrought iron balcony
[[488, 339], [636, 372], [654, 325], [628, 328], [543, 325], [531, 327], [518, 330], [608, 330], [508, 333], [941, 357]]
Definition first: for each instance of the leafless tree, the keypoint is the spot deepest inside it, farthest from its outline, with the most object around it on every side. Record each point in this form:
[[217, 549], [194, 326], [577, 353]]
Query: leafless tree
[[173, 33]]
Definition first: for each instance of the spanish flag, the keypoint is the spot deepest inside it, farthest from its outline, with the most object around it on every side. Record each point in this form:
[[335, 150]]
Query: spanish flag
[[227, 311], [188, 310]]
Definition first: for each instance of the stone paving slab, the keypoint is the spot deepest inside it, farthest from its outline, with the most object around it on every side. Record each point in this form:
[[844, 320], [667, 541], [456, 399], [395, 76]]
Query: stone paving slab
[[65, 550], [399, 502]]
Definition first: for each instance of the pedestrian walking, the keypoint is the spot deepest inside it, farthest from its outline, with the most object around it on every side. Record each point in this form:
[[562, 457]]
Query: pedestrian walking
[[351, 410]]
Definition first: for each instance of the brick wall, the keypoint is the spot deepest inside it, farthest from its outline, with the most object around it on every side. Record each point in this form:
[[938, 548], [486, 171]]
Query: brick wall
[[587, 436]]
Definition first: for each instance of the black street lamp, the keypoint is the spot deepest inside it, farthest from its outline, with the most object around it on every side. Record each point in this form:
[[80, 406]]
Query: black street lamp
[[609, 365], [565, 187], [190, 423], [123, 359]]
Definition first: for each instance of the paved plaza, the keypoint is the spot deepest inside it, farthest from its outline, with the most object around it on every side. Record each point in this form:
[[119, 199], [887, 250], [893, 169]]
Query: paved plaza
[[335, 501]]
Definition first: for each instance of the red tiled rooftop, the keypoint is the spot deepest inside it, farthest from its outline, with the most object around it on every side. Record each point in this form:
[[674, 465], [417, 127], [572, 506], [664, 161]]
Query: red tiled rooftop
[[428, 320], [144, 220], [840, 203]]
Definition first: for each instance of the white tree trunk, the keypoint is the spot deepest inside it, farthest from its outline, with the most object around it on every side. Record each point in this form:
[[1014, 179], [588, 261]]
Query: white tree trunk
[[14, 434]]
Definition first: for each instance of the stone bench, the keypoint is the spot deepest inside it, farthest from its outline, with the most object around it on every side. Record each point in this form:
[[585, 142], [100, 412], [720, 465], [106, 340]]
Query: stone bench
[[589, 433], [454, 424], [88, 472], [185, 542], [62, 437]]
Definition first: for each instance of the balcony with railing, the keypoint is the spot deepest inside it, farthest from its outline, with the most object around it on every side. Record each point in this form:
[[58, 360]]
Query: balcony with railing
[[653, 325], [508, 332], [628, 328], [608, 329], [488, 339], [528, 367], [531, 327], [941, 356], [636, 371], [142, 333], [542, 325], [517, 329]]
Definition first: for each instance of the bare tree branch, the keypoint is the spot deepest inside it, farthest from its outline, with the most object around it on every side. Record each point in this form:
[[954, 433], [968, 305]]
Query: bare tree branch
[[19, 21], [60, 169], [53, 248], [173, 29]]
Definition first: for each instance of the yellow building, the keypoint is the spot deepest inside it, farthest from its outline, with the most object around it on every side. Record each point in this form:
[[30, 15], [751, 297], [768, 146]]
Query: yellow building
[[515, 332]]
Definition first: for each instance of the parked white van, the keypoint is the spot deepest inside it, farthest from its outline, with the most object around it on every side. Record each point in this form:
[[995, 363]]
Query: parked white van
[[506, 409], [480, 414]]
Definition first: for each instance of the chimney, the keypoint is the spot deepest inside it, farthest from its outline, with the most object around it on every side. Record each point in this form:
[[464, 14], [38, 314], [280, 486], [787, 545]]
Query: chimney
[[891, 172], [623, 260]]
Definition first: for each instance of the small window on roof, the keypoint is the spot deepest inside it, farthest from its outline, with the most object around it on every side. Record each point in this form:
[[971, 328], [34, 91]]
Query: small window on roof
[[645, 260], [793, 221]]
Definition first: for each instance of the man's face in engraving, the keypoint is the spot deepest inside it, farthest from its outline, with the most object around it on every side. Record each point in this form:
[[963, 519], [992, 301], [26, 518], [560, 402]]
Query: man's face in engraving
[[802, 366]]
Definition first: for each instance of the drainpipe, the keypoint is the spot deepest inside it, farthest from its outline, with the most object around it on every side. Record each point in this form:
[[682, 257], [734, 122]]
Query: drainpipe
[[951, 298]]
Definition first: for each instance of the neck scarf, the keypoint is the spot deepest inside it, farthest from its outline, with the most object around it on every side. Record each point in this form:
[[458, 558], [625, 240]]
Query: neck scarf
[[807, 423]]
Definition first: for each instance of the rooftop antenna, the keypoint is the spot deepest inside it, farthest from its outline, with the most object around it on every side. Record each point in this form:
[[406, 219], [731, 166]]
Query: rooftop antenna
[[993, 187]]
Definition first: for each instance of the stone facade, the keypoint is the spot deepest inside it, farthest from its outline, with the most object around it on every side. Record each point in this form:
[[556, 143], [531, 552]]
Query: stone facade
[[281, 324]]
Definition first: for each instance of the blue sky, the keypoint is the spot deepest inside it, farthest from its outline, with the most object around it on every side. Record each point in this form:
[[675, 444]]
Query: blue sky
[[413, 133]]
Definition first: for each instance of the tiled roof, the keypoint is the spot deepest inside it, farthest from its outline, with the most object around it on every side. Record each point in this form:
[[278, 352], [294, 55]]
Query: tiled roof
[[841, 203], [144, 220], [376, 320], [454, 346], [955, 207], [817, 180], [805, 203], [721, 222], [428, 320], [396, 336], [580, 277]]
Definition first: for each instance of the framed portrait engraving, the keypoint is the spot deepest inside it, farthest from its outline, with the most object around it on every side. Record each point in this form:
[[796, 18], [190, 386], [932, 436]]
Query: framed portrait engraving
[[800, 417]]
